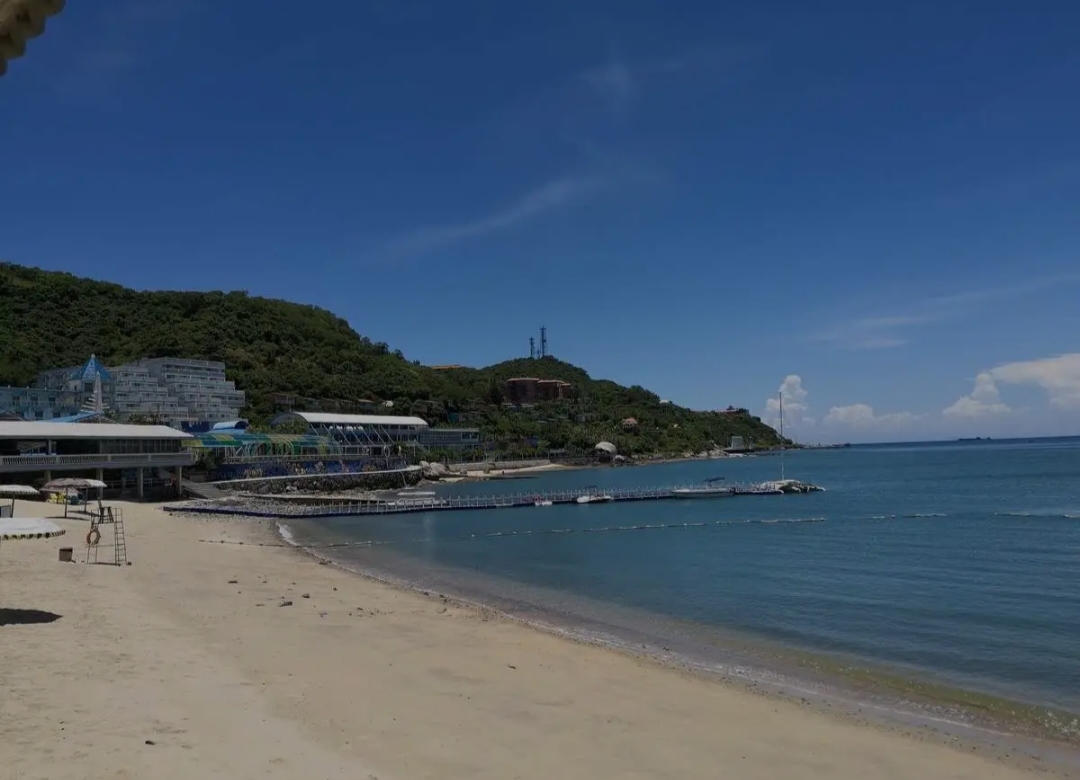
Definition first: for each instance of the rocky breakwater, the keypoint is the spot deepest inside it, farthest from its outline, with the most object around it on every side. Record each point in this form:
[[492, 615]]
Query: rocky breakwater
[[327, 483], [435, 471]]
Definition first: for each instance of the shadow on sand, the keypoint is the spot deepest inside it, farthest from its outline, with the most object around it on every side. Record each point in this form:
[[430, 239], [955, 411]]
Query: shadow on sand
[[25, 617]]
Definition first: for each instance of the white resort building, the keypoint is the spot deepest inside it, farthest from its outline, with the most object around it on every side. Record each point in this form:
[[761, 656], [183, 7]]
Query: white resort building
[[173, 391]]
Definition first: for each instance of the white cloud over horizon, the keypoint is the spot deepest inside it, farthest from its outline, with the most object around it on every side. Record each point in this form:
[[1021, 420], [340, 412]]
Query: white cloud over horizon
[[796, 412], [794, 406], [984, 400], [983, 411], [863, 416], [1058, 377]]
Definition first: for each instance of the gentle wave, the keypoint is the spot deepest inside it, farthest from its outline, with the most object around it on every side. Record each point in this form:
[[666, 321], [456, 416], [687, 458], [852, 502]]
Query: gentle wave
[[1041, 515], [913, 516], [286, 533]]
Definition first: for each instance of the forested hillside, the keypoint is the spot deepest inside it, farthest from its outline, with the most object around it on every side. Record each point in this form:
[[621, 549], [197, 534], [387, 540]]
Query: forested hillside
[[50, 319]]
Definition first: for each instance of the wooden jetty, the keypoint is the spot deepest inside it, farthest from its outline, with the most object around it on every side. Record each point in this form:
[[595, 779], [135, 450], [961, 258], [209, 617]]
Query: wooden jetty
[[407, 504]]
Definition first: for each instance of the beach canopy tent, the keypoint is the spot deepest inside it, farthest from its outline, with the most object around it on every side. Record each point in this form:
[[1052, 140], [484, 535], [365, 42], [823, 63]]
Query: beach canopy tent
[[69, 485], [606, 446], [17, 491]]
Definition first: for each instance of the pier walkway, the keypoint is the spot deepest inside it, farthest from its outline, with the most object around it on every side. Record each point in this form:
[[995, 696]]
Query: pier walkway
[[404, 503]]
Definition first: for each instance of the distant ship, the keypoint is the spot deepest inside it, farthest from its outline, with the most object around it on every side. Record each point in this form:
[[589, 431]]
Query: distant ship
[[977, 438]]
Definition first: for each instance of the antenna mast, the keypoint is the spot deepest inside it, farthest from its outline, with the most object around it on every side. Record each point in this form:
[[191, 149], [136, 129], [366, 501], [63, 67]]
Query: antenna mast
[[781, 434], [543, 341], [532, 347]]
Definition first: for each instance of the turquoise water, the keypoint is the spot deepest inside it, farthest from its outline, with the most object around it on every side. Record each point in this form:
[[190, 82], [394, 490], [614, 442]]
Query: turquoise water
[[958, 562]]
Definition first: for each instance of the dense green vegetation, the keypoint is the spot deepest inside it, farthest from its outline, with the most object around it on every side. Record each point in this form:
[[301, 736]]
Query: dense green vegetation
[[50, 319]]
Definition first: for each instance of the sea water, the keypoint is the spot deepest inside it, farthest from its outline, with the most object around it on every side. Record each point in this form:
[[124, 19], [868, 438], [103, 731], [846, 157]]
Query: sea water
[[955, 563]]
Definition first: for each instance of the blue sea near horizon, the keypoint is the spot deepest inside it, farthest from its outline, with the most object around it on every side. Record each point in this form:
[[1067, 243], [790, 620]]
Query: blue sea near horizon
[[956, 562]]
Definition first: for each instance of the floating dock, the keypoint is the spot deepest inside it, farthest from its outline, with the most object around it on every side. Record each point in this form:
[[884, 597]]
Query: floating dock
[[411, 504]]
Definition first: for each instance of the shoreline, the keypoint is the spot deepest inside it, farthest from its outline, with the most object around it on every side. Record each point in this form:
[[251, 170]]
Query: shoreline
[[224, 651], [855, 688]]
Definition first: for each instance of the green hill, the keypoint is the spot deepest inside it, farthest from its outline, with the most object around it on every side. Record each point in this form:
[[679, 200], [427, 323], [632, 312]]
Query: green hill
[[50, 319]]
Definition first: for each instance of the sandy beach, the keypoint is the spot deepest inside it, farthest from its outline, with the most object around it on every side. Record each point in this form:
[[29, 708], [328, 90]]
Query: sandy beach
[[235, 660]]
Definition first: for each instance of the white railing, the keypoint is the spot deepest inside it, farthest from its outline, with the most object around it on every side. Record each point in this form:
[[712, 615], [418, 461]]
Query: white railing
[[103, 460]]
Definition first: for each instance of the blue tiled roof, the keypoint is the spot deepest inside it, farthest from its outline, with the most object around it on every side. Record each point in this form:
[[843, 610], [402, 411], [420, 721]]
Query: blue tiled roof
[[92, 368]]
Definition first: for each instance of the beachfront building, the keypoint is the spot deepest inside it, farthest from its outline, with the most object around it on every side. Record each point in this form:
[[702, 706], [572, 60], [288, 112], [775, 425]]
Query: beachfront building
[[129, 458], [457, 439], [173, 391], [363, 430], [382, 433], [20, 21]]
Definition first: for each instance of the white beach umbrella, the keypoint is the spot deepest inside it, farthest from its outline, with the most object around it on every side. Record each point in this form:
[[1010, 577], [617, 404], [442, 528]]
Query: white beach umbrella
[[15, 491], [73, 483], [79, 483], [18, 490]]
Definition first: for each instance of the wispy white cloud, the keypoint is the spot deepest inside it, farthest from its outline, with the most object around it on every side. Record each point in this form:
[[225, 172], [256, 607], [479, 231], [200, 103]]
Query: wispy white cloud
[[613, 82], [1058, 376], [557, 194], [893, 329]]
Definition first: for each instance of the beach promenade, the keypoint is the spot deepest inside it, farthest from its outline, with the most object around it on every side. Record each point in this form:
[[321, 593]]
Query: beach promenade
[[244, 661]]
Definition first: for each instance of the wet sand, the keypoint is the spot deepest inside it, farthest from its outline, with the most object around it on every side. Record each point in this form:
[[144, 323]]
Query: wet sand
[[205, 659]]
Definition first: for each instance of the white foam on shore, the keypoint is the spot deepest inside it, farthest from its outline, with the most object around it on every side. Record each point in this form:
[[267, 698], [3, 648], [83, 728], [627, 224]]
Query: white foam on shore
[[286, 534]]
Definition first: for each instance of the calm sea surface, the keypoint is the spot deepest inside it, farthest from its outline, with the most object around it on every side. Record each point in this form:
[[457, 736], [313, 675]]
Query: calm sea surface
[[958, 562]]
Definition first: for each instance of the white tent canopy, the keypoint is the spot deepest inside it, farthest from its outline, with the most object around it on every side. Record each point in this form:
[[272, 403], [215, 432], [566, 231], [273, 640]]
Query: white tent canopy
[[78, 483], [12, 528], [18, 490]]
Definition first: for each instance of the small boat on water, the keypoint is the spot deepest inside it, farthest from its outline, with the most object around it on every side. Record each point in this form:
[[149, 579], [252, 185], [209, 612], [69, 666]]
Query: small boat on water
[[703, 491], [544, 502], [598, 498]]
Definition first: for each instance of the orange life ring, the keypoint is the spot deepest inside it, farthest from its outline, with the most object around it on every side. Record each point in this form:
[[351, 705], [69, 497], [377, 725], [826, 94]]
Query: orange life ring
[[93, 536]]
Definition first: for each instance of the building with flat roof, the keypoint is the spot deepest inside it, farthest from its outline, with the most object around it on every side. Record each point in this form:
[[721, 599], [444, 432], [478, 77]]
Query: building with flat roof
[[175, 391], [124, 456], [364, 430], [378, 431], [451, 439], [20, 21], [531, 390]]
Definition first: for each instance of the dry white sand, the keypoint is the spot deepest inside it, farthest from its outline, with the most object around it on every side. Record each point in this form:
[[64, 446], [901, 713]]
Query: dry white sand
[[166, 669]]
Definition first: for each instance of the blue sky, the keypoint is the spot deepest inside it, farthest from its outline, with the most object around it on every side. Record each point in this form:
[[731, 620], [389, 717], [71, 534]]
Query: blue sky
[[875, 205]]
